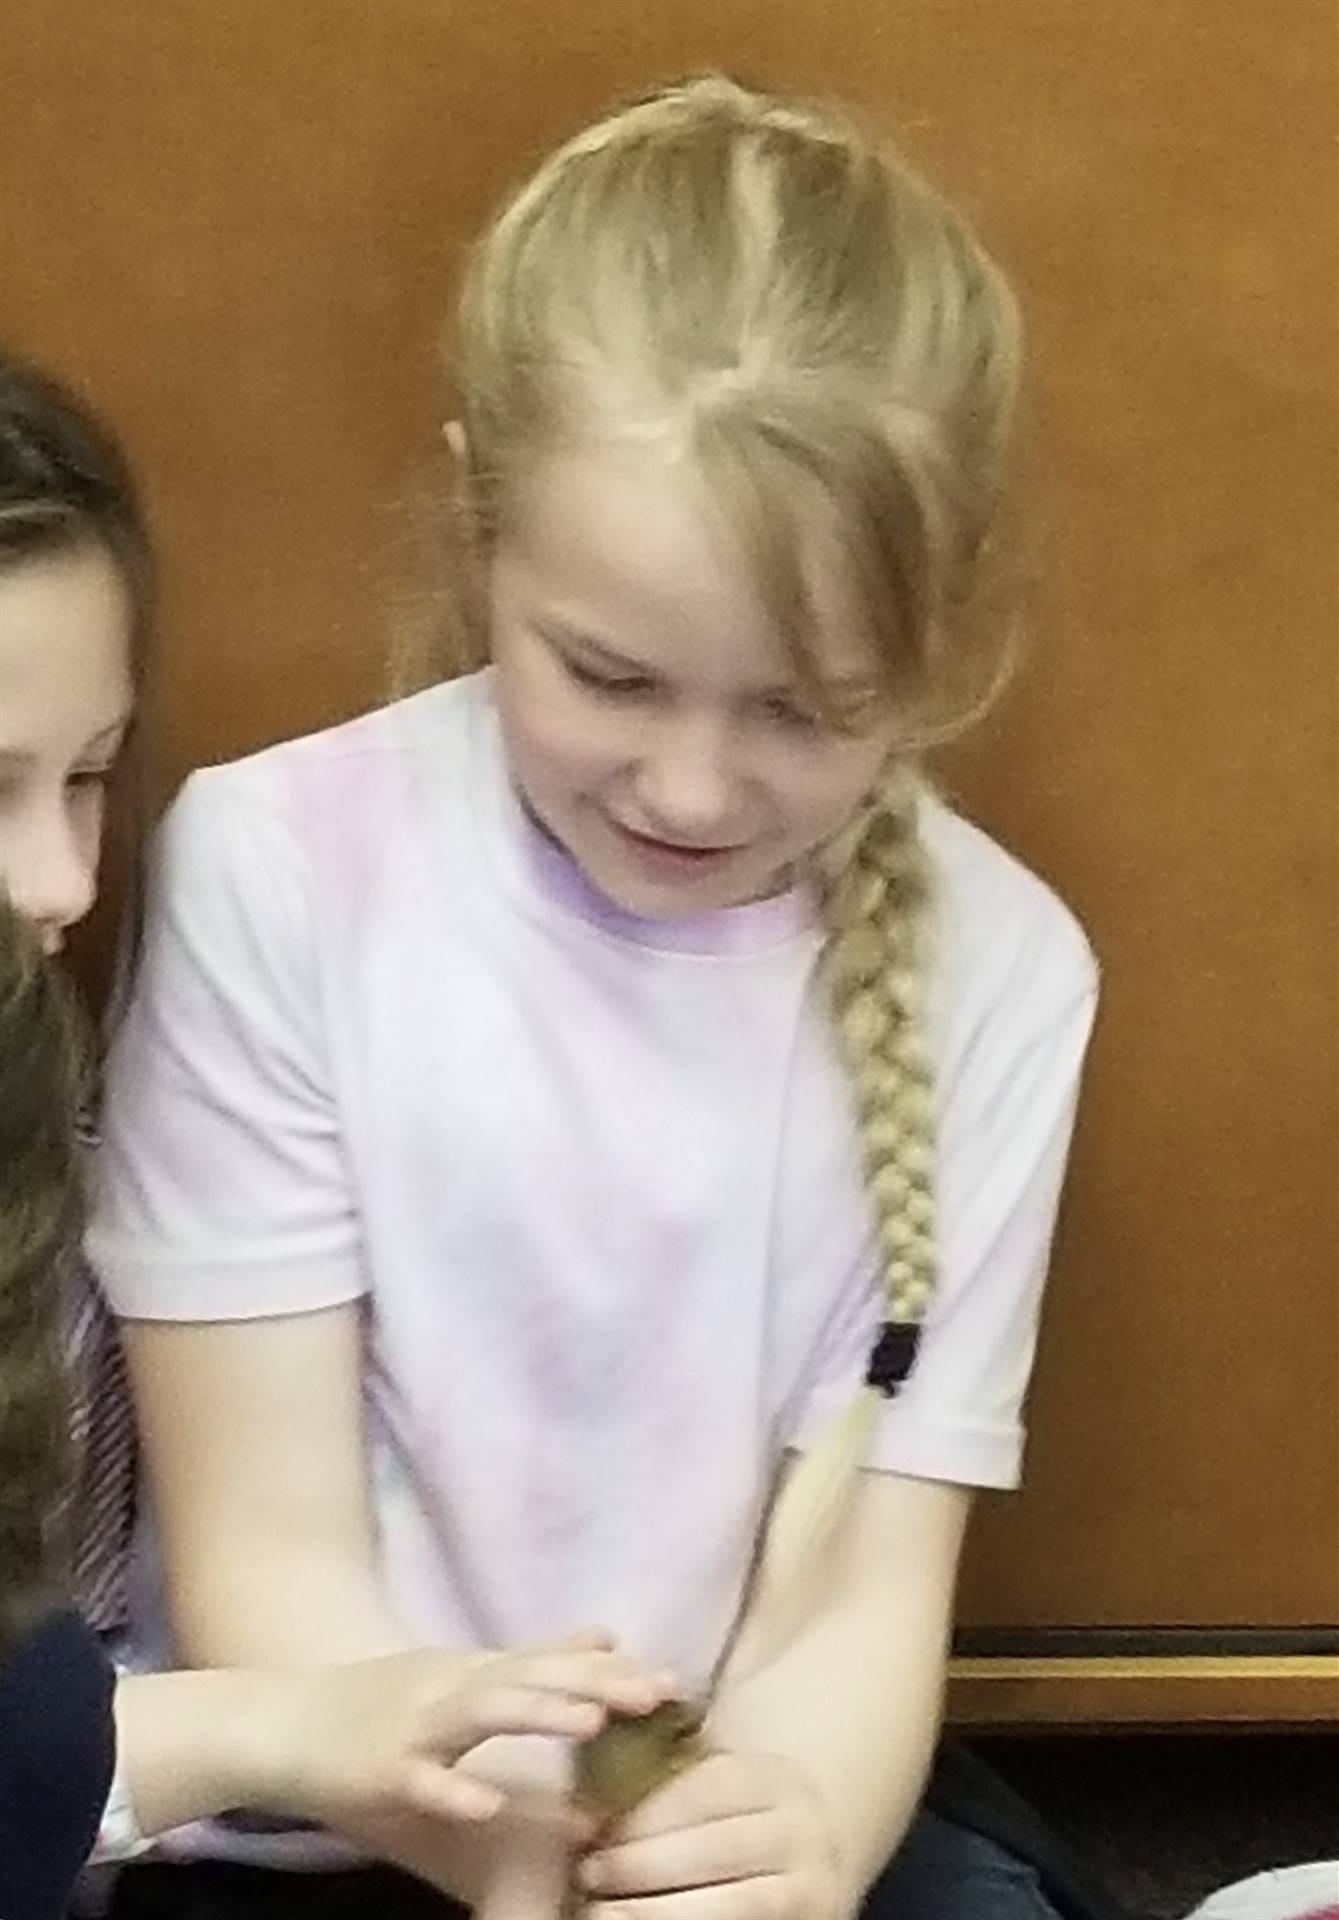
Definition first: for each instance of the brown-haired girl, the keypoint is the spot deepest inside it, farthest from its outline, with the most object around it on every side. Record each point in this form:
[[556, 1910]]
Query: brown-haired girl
[[75, 591]]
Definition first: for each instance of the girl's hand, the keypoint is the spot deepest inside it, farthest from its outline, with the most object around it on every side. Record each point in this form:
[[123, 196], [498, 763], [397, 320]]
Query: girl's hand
[[382, 1737], [516, 1867], [737, 1837]]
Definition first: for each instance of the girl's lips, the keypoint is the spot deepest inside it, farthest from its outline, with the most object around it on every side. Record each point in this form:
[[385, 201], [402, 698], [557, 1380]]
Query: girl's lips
[[671, 852]]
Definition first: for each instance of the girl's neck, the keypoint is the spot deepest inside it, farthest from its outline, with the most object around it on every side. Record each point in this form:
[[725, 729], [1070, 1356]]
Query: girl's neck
[[781, 915]]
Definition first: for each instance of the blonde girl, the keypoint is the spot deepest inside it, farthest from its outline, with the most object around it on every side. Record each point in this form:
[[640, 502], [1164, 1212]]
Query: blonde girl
[[588, 1135]]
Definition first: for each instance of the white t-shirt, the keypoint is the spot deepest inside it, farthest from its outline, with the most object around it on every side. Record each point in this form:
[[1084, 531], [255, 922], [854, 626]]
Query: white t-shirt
[[595, 1177]]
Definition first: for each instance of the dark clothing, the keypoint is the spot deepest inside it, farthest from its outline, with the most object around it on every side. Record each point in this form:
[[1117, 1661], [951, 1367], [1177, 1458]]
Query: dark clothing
[[965, 1792], [943, 1873], [976, 1853], [57, 1755]]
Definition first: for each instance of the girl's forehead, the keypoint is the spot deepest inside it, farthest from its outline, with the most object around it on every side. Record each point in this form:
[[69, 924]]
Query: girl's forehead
[[624, 509], [630, 549], [65, 673]]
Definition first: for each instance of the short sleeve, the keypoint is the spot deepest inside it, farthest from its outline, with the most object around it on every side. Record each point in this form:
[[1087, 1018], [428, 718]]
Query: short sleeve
[[1012, 1046], [220, 1187]]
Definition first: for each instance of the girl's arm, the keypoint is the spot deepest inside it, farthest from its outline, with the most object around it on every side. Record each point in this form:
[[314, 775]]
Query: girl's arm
[[821, 1745], [268, 1553], [253, 1443], [359, 1742], [855, 1698], [368, 1750]]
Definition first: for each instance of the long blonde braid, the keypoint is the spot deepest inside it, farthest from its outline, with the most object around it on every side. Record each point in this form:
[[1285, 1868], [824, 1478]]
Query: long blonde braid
[[877, 901], [876, 888]]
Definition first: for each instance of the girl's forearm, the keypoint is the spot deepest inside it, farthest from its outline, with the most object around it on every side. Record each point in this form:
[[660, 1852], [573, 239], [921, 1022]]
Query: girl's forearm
[[859, 1716], [854, 1694], [291, 1609], [265, 1524], [196, 1744]]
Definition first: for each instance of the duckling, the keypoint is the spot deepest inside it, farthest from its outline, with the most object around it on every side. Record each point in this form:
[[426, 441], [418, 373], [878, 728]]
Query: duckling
[[635, 1754]]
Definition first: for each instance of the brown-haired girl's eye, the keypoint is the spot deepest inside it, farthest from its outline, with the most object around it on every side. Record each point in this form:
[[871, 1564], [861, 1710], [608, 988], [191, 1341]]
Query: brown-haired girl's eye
[[84, 779]]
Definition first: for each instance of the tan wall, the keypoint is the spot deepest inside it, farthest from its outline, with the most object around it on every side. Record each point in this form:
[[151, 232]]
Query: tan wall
[[236, 225]]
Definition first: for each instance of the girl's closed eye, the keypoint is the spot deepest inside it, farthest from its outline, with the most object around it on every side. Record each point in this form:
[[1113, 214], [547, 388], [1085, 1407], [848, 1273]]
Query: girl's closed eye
[[84, 779], [785, 711], [612, 684]]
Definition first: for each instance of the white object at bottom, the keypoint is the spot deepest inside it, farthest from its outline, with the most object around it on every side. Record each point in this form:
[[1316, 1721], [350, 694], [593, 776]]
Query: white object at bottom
[[1287, 1894]]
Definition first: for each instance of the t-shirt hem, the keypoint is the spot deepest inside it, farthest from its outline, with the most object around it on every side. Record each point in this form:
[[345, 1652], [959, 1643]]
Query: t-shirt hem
[[963, 1456], [960, 1454], [233, 1290]]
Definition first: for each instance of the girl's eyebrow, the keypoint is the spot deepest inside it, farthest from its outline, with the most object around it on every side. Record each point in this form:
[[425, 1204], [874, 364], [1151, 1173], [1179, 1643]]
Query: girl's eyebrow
[[855, 686], [565, 634], [110, 736]]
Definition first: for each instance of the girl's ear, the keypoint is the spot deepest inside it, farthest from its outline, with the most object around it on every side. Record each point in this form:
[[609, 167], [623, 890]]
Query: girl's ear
[[453, 432]]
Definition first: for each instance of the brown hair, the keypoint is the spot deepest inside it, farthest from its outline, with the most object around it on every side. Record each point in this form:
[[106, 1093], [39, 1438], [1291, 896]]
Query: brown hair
[[41, 1081], [65, 485]]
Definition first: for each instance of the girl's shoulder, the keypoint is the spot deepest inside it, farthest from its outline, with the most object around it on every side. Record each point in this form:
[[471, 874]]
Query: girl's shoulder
[[337, 800], [1000, 923], [428, 731]]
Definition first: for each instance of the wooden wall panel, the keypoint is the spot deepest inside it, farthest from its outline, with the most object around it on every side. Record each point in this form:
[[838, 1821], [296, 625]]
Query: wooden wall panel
[[236, 226]]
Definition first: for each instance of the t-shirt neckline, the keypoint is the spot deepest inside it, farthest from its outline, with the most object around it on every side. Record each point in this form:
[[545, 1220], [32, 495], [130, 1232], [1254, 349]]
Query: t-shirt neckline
[[554, 882]]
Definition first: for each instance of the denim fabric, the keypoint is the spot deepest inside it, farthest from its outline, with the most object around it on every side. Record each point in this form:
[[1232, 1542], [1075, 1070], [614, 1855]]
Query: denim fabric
[[943, 1872]]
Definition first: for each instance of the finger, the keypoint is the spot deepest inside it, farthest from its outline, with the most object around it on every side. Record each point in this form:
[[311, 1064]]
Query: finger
[[749, 1846], [487, 1710], [554, 1812], [564, 1695], [611, 1678], [764, 1899], [716, 1788], [449, 1794], [591, 1639]]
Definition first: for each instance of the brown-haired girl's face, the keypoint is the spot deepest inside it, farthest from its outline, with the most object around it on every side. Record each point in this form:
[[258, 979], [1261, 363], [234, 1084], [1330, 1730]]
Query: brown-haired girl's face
[[66, 701], [651, 717]]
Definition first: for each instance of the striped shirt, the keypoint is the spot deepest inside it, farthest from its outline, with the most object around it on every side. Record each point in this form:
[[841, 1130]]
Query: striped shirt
[[97, 1518]]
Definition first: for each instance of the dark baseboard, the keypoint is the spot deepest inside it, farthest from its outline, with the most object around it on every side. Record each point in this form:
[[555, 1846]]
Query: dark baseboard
[[1145, 1643]]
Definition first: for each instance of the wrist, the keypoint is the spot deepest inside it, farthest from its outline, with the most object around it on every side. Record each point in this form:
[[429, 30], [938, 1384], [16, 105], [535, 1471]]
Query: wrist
[[833, 1850], [266, 1741], [849, 1881], [194, 1744]]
